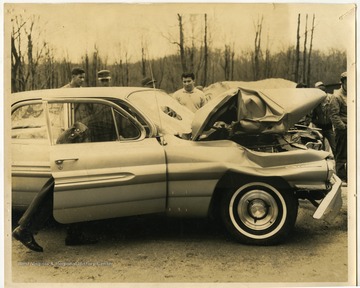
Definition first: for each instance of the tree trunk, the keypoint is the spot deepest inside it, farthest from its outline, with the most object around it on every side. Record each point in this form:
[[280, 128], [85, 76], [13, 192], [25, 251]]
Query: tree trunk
[[181, 44], [15, 64], [304, 52], [143, 62], [297, 61], [257, 51], [232, 64], [310, 50], [206, 53], [226, 65]]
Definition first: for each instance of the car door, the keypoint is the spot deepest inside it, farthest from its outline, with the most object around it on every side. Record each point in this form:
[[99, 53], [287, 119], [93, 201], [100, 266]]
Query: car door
[[113, 171], [29, 146]]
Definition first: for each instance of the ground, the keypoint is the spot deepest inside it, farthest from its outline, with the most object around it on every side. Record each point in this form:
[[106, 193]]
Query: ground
[[154, 249]]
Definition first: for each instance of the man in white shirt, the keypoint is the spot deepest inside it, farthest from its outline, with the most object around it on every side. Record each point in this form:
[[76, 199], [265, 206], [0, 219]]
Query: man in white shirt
[[189, 95]]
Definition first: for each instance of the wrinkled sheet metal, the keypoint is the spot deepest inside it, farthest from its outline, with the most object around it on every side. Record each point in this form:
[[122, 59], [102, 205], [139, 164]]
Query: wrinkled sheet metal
[[216, 89], [268, 111]]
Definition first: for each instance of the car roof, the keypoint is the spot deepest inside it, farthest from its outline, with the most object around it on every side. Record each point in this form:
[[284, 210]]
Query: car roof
[[83, 92]]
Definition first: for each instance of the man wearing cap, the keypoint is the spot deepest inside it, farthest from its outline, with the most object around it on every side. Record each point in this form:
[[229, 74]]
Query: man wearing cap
[[189, 95], [77, 78], [148, 82], [321, 117], [338, 115], [104, 78]]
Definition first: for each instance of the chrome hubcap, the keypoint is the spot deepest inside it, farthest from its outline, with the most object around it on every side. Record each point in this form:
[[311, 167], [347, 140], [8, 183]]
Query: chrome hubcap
[[257, 209]]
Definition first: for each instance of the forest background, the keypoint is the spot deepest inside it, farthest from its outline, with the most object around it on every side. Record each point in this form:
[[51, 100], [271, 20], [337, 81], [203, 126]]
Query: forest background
[[37, 64]]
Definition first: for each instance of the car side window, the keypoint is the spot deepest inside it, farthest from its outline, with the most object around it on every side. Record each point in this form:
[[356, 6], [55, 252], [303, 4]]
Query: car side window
[[94, 122], [99, 120], [28, 122], [127, 129]]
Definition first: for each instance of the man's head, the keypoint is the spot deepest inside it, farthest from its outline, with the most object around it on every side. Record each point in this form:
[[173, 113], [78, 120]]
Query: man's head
[[77, 77], [148, 82], [188, 79], [104, 78], [343, 79], [320, 85]]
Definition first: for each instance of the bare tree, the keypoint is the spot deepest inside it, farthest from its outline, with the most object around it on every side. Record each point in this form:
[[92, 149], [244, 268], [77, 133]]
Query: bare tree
[[232, 63], [192, 49], [51, 79], [226, 65], [305, 51], [87, 67], [181, 43], [257, 50], [310, 51], [143, 62], [127, 72], [15, 55], [24, 68], [92, 76], [206, 52], [297, 60], [267, 66]]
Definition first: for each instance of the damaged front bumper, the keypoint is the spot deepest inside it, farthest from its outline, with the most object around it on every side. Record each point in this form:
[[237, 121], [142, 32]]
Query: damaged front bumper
[[331, 204]]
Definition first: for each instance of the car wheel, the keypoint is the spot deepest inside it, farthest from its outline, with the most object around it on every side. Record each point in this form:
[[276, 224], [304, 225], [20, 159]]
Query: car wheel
[[259, 213]]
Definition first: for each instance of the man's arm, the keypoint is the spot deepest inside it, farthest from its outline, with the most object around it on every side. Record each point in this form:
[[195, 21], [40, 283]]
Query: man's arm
[[335, 114]]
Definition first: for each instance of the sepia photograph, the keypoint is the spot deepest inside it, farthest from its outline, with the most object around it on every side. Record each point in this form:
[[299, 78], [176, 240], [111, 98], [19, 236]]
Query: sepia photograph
[[205, 145]]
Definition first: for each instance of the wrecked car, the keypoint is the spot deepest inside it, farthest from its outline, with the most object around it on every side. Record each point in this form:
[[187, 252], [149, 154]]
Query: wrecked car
[[145, 153]]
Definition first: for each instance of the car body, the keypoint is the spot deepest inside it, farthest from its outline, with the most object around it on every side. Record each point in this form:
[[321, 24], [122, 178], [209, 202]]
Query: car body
[[145, 153]]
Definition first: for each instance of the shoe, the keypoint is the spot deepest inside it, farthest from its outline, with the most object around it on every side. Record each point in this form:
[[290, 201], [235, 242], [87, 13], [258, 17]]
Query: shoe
[[26, 238], [75, 240]]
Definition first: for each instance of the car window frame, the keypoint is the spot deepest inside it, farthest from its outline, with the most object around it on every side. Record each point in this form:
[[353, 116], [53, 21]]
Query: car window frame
[[153, 130], [19, 104], [97, 101]]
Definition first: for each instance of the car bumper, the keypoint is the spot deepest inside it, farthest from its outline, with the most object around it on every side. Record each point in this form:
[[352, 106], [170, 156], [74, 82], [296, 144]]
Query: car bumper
[[331, 204]]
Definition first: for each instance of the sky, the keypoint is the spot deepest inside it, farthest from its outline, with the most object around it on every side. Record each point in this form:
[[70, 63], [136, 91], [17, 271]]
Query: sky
[[116, 29]]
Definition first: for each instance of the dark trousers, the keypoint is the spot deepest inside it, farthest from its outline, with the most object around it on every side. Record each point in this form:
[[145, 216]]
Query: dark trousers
[[329, 134], [40, 208], [341, 153]]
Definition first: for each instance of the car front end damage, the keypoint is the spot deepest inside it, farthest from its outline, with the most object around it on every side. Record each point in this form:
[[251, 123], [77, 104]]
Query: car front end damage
[[325, 197], [265, 122]]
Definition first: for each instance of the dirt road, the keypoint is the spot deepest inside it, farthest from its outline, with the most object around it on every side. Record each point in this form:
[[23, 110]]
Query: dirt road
[[158, 250]]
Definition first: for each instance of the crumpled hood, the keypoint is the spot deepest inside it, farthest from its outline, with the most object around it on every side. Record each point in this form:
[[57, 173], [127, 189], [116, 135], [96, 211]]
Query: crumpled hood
[[257, 110], [217, 88]]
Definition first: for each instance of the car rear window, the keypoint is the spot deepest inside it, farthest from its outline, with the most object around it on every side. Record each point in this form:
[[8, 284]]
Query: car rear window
[[28, 122]]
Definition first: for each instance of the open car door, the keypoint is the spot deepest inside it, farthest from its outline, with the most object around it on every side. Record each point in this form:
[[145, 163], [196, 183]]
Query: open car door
[[103, 165]]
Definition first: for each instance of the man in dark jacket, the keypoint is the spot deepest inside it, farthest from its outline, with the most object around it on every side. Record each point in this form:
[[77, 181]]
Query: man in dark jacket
[[321, 117], [338, 115]]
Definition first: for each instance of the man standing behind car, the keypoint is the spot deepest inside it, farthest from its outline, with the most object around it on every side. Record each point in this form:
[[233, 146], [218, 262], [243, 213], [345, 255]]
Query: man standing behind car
[[338, 115], [148, 82], [189, 95], [104, 78], [77, 78], [321, 117]]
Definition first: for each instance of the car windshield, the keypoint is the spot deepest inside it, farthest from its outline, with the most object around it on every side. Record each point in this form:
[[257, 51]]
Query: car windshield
[[169, 116]]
